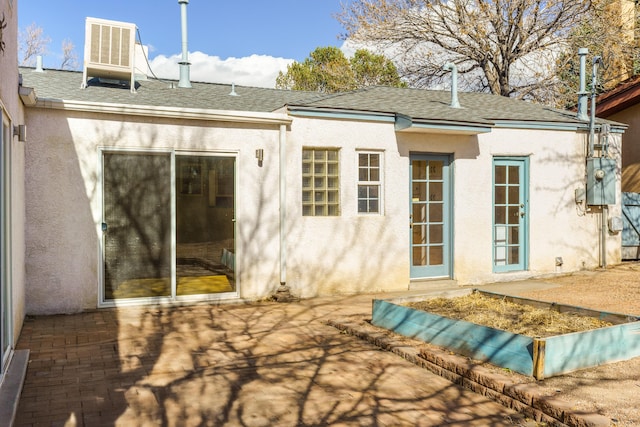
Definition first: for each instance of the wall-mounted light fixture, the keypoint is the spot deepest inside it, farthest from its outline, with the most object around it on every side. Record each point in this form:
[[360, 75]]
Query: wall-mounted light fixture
[[260, 156], [21, 132]]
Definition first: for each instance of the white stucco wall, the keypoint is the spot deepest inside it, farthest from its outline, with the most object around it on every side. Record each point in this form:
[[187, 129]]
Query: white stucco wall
[[324, 255], [351, 252], [355, 253], [64, 201]]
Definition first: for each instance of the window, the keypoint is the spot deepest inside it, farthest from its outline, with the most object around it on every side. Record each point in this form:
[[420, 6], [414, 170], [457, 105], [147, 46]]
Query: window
[[320, 182], [369, 182]]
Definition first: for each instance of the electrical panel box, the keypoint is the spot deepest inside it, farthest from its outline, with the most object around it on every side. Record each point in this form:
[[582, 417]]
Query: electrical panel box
[[601, 181], [616, 224]]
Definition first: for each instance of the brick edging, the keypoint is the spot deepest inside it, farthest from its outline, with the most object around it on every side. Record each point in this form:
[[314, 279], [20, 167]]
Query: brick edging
[[523, 398]]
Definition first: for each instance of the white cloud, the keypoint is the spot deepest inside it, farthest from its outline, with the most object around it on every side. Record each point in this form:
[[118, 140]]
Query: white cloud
[[254, 70]]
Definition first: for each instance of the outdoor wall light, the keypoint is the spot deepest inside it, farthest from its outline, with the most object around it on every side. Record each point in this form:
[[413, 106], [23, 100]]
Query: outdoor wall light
[[21, 132], [260, 156]]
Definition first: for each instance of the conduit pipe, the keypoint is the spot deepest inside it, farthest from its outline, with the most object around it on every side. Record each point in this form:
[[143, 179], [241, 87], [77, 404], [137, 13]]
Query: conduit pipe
[[592, 120], [184, 63], [450, 66], [592, 137], [283, 204], [582, 92]]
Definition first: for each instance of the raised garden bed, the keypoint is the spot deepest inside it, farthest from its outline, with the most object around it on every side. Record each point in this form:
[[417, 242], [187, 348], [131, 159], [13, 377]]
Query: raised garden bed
[[535, 356]]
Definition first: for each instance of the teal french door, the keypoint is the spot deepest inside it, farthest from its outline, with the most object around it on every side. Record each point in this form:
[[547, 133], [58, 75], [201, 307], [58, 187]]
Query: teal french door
[[510, 213], [430, 216]]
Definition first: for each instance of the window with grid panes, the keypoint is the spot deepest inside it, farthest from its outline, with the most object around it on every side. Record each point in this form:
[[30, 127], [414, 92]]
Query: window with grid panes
[[369, 182], [320, 182]]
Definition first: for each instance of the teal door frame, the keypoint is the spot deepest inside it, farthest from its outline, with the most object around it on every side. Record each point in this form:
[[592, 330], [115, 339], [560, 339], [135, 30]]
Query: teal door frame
[[430, 215], [510, 234]]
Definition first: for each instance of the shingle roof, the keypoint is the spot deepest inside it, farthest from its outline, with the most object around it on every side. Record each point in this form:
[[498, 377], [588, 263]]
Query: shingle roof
[[434, 105], [419, 104], [66, 85]]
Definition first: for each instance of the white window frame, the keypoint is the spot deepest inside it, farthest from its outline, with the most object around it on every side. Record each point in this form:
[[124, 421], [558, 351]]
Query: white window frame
[[369, 183]]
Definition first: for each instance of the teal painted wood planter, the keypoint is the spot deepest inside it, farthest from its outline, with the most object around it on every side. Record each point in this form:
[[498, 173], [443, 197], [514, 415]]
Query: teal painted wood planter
[[537, 357]]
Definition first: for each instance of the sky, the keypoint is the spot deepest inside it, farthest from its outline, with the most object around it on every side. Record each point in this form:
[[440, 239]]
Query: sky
[[246, 42]]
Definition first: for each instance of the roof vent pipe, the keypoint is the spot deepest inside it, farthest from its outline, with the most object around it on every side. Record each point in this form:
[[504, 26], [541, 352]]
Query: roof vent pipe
[[184, 64], [454, 83], [582, 92], [39, 68]]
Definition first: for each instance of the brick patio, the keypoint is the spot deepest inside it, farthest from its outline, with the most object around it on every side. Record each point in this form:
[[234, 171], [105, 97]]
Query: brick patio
[[255, 365]]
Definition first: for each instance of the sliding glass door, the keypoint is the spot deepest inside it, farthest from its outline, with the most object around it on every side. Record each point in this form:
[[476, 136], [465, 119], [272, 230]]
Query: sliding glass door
[[168, 228]]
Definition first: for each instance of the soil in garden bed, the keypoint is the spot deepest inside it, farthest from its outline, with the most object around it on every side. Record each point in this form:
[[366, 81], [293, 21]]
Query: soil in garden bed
[[508, 316]]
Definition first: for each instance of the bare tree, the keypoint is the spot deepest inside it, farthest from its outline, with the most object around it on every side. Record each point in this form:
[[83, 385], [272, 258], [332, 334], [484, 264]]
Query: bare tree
[[490, 41], [31, 43], [69, 56], [610, 32]]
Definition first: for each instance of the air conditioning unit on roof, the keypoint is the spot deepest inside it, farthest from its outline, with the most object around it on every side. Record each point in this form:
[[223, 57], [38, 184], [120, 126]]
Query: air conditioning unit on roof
[[109, 48]]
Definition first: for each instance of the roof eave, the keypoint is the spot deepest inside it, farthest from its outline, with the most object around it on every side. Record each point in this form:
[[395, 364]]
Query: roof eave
[[406, 124], [331, 113], [165, 112]]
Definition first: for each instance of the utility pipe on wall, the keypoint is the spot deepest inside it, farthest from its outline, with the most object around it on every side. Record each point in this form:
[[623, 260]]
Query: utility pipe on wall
[[592, 121], [592, 137], [283, 204]]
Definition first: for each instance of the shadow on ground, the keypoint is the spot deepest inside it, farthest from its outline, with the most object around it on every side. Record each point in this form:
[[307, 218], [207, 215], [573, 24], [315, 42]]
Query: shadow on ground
[[246, 365]]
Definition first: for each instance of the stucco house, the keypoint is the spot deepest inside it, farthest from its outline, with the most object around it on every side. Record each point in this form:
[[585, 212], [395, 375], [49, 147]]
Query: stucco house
[[211, 192], [166, 193]]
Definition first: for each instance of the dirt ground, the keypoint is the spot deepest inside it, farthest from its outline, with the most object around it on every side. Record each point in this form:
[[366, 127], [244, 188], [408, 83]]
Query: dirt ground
[[612, 390]]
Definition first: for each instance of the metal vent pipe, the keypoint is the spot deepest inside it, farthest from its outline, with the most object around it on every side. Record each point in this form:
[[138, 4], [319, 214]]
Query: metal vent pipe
[[582, 92], [184, 64], [454, 83]]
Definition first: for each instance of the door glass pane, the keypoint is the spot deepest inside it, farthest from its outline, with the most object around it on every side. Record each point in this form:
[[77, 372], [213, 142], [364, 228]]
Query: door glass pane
[[514, 235], [137, 218], [419, 234], [419, 169], [435, 233], [514, 195], [514, 255], [500, 215], [435, 255], [501, 174], [514, 175], [435, 170], [205, 241], [419, 191], [500, 195], [419, 255], [419, 213], [435, 191], [435, 212], [514, 214]]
